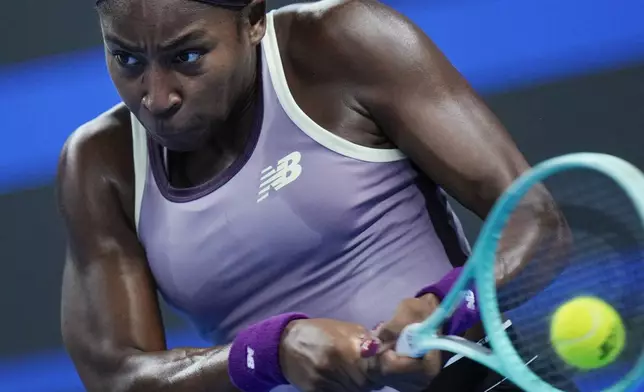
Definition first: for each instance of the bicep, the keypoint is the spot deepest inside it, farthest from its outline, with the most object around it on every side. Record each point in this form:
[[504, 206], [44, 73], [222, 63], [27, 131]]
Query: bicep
[[109, 300], [457, 141], [109, 303], [424, 105]]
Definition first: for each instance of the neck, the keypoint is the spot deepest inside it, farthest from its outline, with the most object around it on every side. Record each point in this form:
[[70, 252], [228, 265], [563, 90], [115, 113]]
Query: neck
[[233, 133], [227, 143]]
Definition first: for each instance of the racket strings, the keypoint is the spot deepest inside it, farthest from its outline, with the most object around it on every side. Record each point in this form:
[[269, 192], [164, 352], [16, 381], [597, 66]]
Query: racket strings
[[601, 256]]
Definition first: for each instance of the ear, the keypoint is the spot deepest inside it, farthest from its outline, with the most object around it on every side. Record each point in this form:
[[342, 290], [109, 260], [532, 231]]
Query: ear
[[255, 18]]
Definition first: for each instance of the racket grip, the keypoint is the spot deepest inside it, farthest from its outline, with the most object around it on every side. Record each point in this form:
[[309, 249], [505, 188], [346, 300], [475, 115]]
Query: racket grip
[[408, 341]]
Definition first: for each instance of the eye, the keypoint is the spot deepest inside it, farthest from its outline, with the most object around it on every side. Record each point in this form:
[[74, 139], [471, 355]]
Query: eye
[[126, 60], [189, 57]]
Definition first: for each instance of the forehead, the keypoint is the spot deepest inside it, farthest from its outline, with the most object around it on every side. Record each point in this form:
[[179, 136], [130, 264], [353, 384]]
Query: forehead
[[163, 17]]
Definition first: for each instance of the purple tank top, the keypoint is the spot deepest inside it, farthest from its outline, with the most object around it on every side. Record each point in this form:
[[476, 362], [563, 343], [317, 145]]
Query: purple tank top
[[303, 221]]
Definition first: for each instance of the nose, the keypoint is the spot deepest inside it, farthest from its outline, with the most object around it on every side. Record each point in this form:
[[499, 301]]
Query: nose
[[161, 98]]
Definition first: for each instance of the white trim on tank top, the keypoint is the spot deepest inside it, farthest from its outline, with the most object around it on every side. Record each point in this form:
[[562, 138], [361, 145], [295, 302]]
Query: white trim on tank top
[[294, 112], [302, 120], [140, 155]]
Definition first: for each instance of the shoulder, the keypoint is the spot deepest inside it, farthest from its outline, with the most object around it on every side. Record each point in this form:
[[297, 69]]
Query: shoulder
[[356, 39], [103, 144], [339, 19], [98, 156]]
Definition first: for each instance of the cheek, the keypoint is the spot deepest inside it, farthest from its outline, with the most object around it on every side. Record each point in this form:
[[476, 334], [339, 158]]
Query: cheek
[[126, 89], [215, 84], [208, 89], [220, 66]]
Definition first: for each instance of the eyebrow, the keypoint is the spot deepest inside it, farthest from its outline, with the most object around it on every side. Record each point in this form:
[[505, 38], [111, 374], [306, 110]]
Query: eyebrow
[[169, 45]]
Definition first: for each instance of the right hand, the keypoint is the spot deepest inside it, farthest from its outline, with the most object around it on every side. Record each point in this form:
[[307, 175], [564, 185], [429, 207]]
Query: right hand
[[324, 355], [400, 372]]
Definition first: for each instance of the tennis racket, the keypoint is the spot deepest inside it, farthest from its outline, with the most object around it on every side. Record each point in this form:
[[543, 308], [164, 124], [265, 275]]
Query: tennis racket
[[593, 247]]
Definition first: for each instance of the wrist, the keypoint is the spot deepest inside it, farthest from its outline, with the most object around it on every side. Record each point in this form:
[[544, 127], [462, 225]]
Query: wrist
[[442, 287], [289, 332], [254, 359], [465, 315], [430, 298], [291, 328]]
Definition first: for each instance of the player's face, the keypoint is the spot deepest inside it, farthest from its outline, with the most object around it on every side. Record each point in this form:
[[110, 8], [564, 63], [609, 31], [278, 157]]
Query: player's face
[[180, 66]]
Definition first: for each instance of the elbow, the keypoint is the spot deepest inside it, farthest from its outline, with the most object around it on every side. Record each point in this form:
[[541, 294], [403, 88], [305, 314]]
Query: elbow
[[537, 201], [545, 208], [136, 374], [112, 372]]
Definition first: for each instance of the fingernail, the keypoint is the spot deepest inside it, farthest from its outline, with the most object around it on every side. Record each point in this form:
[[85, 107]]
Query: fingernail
[[377, 327], [369, 347]]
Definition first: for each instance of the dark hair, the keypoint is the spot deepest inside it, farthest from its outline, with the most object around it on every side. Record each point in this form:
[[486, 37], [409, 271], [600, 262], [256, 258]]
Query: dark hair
[[233, 4]]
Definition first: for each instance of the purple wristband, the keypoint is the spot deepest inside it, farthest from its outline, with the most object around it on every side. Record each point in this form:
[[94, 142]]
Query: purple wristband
[[441, 288], [466, 314], [253, 361]]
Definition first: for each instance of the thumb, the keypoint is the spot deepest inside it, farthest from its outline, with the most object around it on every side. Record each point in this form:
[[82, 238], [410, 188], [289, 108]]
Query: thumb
[[386, 334], [378, 341], [370, 346], [392, 364]]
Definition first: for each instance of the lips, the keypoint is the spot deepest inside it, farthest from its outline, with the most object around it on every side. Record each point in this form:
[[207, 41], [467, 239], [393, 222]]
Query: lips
[[167, 129]]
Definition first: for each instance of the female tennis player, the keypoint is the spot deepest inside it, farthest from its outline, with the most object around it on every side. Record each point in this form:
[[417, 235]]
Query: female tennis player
[[280, 179]]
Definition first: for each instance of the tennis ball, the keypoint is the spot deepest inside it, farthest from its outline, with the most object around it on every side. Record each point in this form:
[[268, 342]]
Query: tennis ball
[[587, 333]]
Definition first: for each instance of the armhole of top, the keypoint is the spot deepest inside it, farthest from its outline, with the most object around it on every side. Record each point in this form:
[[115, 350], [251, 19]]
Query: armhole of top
[[302, 120], [140, 156]]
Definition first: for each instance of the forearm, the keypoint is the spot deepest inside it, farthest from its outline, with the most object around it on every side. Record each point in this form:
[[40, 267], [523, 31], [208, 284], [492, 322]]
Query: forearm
[[536, 225], [250, 363], [178, 370]]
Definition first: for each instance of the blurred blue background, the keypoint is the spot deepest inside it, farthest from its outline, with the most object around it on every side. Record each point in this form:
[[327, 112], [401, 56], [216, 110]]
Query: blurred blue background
[[562, 76]]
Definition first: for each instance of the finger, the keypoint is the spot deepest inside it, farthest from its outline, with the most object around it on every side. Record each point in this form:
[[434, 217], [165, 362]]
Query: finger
[[432, 363], [409, 373], [375, 330], [393, 364], [337, 385], [386, 334], [369, 346], [344, 377], [355, 374]]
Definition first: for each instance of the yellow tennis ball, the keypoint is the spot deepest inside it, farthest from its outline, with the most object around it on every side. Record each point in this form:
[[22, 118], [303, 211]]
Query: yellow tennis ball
[[587, 333]]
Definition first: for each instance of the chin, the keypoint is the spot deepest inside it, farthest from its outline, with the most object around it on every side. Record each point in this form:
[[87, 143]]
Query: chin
[[180, 141]]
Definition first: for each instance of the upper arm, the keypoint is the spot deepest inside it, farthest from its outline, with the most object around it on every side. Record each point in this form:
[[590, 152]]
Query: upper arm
[[422, 103], [109, 304]]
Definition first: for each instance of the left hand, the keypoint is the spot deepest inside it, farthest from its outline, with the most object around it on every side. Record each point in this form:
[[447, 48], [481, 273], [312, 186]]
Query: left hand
[[401, 372]]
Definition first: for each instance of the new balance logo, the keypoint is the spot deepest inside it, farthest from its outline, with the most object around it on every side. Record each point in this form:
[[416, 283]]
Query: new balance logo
[[250, 358], [470, 300], [288, 170]]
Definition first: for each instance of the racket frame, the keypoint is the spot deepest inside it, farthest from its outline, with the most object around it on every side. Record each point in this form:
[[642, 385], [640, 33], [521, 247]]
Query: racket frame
[[419, 338]]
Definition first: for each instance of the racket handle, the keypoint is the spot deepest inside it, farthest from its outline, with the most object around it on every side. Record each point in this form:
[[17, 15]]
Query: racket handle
[[408, 342]]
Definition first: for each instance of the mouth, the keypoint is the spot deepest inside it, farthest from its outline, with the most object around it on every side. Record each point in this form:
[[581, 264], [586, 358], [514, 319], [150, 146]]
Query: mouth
[[180, 130], [177, 130], [178, 140]]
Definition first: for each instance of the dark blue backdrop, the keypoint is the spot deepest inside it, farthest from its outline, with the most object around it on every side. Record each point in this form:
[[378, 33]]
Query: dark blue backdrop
[[497, 44]]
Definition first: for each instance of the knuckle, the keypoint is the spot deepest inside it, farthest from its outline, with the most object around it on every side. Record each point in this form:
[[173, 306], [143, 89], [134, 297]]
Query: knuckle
[[317, 382], [388, 333], [408, 303], [321, 365], [432, 363]]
